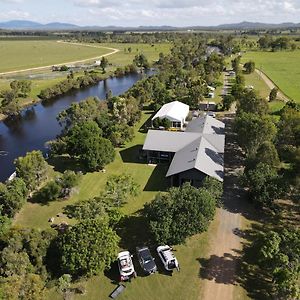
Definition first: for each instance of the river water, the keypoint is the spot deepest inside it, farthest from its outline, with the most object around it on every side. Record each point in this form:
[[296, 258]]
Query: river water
[[37, 124]]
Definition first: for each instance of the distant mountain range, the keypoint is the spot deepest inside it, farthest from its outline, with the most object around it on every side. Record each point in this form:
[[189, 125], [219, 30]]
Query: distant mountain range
[[30, 25]]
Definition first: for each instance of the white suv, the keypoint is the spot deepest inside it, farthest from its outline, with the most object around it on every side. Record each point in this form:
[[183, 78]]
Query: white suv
[[126, 266], [168, 258]]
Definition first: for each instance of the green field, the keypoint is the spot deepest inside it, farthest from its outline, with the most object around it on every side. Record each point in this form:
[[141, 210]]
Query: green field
[[22, 54], [18, 55], [123, 58], [282, 67], [183, 285]]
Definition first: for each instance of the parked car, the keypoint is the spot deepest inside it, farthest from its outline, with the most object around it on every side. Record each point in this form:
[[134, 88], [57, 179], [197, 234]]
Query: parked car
[[146, 260], [126, 267], [167, 257], [211, 114]]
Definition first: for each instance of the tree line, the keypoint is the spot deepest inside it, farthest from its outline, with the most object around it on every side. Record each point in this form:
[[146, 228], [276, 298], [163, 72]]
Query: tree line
[[271, 149]]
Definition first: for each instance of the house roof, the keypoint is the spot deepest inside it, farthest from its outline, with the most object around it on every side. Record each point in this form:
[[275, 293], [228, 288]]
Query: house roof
[[175, 111], [199, 155], [200, 147], [206, 125], [168, 141]]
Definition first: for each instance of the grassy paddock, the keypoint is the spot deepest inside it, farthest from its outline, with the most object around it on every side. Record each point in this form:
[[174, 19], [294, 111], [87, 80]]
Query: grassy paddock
[[18, 55], [122, 58], [282, 67]]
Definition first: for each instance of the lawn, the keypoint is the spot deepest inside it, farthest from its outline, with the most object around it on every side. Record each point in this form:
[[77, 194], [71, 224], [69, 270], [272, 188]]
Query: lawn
[[282, 67], [18, 55], [183, 285]]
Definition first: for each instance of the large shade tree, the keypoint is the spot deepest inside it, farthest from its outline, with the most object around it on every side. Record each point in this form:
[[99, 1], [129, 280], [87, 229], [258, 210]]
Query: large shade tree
[[87, 248], [180, 213]]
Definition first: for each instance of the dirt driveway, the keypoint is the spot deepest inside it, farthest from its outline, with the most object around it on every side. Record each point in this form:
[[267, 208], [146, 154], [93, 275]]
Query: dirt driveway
[[219, 270]]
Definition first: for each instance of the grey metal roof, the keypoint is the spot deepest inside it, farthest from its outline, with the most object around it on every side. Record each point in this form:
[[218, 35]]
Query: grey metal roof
[[200, 155], [206, 125], [200, 147], [168, 141]]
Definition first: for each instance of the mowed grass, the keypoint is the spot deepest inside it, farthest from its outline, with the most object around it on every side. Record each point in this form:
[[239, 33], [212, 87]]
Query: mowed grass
[[18, 55], [124, 57], [282, 67], [181, 286]]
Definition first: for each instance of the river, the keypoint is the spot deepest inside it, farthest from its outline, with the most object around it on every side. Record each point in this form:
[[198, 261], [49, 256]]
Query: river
[[37, 124]]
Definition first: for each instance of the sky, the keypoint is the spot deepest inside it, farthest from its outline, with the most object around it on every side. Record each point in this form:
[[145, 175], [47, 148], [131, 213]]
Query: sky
[[151, 12]]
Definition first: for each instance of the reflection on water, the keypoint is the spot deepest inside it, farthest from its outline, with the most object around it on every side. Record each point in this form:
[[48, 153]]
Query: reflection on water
[[36, 125]]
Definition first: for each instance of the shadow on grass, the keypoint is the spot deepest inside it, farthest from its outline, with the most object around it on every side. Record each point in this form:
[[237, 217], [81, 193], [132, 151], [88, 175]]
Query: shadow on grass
[[158, 181], [147, 124], [133, 155], [63, 163]]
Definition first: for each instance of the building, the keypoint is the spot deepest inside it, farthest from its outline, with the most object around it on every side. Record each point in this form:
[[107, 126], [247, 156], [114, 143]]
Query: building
[[208, 105], [176, 112], [194, 154]]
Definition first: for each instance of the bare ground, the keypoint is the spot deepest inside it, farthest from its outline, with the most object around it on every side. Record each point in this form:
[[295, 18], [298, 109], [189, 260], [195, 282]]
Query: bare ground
[[219, 271]]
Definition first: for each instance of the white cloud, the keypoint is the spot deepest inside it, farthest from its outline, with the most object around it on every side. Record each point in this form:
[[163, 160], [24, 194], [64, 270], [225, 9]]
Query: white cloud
[[11, 1], [14, 14]]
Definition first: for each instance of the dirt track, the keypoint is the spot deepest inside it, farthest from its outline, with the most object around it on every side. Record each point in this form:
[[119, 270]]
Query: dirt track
[[219, 271], [66, 63]]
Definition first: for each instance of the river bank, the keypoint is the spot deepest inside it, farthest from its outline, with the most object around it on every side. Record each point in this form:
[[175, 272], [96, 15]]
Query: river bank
[[37, 124]]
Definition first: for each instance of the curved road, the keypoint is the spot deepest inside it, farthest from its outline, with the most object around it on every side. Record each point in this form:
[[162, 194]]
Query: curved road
[[66, 63]]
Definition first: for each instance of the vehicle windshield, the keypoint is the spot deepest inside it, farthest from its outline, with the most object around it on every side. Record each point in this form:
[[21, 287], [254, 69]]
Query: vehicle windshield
[[147, 259], [172, 264], [125, 263]]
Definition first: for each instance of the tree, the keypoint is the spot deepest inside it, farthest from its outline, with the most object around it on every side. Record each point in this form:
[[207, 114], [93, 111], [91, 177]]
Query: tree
[[96, 208], [119, 187], [252, 130], [87, 248], [86, 110], [8, 97], [235, 63], [278, 255], [180, 213], [32, 168], [214, 187], [289, 126], [265, 42], [12, 196], [267, 154], [249, 67], [85, 141], [264, 185], [51, 191], [69, 179], [141, 61], [29, 286], [250, 102], [103, 63], [273, 94], [228, 100], [5, 222]]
